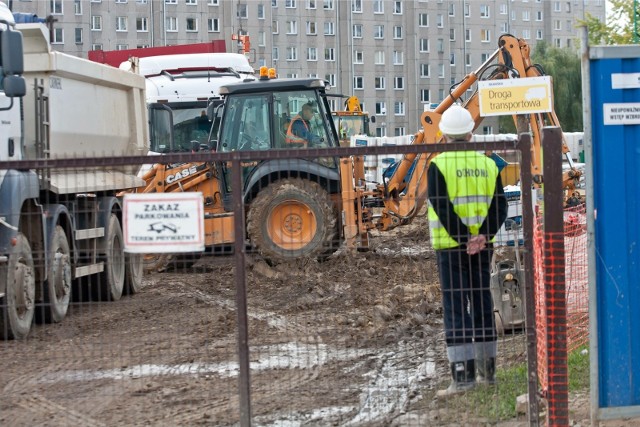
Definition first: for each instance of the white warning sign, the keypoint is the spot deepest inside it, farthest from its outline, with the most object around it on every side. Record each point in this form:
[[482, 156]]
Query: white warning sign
[[163, 222], [622, 114]]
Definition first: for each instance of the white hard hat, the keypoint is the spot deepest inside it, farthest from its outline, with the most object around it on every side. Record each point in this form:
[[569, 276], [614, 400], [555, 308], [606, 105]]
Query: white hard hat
[[456, 121]]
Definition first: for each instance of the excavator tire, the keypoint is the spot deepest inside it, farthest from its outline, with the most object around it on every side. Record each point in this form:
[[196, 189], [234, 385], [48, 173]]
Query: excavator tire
[[293, 218]]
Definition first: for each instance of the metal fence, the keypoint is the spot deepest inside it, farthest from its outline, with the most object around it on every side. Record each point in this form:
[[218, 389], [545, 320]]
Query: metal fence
[[229, 338]]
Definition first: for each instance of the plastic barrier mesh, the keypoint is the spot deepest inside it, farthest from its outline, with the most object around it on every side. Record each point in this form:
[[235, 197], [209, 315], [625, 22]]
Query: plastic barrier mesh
[[577, 291]]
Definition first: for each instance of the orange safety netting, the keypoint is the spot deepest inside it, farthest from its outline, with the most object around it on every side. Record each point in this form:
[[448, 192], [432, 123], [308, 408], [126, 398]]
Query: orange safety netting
[[577, 290]]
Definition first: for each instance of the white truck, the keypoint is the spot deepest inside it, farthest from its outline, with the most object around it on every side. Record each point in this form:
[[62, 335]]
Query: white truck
[[179, 88], [60, 229]]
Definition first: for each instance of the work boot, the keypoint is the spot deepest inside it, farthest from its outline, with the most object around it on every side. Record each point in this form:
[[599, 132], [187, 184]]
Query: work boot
[[486, 369], [463, 376]]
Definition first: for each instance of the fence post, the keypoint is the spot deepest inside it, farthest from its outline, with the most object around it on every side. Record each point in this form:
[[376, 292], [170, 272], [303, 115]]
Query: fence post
[[554, 279], [244, 378]]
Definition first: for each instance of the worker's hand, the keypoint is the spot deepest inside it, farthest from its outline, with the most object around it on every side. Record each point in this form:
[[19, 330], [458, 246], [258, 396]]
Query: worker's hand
[[476, 243]]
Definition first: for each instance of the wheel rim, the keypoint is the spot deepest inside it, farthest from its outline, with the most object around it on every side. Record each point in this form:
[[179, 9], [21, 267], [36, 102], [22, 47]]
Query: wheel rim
[[62, 276], [292, 225], [25, 286]]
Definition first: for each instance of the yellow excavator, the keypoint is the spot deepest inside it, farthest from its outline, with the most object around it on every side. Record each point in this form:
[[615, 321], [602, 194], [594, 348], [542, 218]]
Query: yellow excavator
[[351, 121], [307, 207]]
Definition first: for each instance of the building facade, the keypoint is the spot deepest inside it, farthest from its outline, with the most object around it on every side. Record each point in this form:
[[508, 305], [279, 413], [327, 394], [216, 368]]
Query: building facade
[[397, 56]]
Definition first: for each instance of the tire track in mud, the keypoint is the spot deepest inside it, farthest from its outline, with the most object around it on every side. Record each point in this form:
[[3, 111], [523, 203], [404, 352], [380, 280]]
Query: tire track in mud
[[38, 408]]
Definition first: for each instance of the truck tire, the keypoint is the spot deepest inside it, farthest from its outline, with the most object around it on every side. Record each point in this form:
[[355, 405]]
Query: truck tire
[[112, 278], [133, 273], [293, 218], [57, 288], [18, 305]]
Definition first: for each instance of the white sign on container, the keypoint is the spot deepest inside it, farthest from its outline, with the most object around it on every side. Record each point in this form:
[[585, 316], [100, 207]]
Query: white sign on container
[[625, 80], [627, 113], [163, 222]]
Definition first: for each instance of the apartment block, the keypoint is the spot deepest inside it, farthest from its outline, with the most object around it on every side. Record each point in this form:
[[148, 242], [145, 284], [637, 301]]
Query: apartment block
[[397, 56]]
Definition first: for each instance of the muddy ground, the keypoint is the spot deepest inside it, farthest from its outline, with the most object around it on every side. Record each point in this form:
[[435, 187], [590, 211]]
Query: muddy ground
[[356, 340]]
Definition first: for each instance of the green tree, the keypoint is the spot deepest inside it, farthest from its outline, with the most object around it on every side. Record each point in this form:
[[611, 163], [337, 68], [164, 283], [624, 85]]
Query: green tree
[[563, 65], [620, 26]]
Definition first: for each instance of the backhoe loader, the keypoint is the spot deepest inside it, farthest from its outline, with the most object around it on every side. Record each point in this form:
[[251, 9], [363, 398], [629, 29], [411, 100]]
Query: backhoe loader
[[308, 207]]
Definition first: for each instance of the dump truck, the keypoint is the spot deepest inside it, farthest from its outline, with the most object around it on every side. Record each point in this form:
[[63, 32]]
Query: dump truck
[[61, 229]]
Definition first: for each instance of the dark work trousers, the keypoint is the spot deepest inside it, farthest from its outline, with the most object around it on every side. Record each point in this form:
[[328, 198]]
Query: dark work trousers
[[466, 296]]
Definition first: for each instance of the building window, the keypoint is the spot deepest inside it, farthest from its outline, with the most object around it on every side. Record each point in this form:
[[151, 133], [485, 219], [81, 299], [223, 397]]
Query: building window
[[290, 4], [121, 23], [311, 28], [192, 24], [56, 7], [424, 45], [526, 34], [556, 42], [275, 53], [380, 83], [539, 15], [467, 60], [485, 35], [557, 25], [331, 78], [440, 20], [329, 29], [96, 23], [190, 2], [398, 83], [77, 7], [452, 9], [378, 31], [398, 108], [378, 6], [311, 4], [423, 19], [381, 132], [262, 38], [452, 34], [504, 10], [312, 54], [424, 95], [142, 25], [171, 24], [381, 108], [538, 34], [487, 130], [260, 11], [96, 46], [425, 70], [526, 15], [397, 32], [292, 53], [274, 27], [399, 131], [213, 25], [358, 57], [78, 34], [292, 27], [504, 27], [329, 54], [467, 10], [378, 57], [243, 11], [356, 6], [358, 82], [484, 11], [397, 7], [58, 36], [170, 1], [467, 34], [440, 46], [328, 4], [398, 57], [357, 31], [452, 59], [441, 71], [556, 6], [213, 2]]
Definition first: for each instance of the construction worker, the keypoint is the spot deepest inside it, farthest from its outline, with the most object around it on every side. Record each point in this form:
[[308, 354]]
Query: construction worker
[[467, 207], [299, 131]]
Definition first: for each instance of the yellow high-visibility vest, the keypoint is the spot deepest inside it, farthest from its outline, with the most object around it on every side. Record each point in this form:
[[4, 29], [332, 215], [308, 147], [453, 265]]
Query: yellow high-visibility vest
[[471, 183]]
